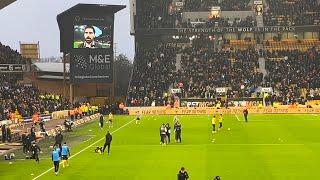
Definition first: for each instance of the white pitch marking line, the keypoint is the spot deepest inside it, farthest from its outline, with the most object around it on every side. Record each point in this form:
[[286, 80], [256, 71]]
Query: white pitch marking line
[[237, 117], [89, 139], [85, 149], [190, 145]]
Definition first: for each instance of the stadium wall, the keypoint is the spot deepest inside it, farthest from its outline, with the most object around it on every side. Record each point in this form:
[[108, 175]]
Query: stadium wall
[[55, 86], [51, 86]]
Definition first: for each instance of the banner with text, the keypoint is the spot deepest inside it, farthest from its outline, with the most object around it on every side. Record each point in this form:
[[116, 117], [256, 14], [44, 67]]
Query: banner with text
[[208, 110], [265, 29], [13, 68], [91, 66]]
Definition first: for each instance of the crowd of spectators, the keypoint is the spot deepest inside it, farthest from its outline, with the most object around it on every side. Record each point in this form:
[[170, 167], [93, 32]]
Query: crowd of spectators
[[155, 14], [292, 13], [226, 5], [152, 74], [291, 72], [27, 100], [201, 71], [204, 70], [158, 14], [10, 56], [222, 22], [313, 94]]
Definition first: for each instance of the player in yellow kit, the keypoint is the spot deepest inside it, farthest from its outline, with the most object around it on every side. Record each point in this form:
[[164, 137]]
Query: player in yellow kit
[[138, 117], [213, 122], [110, 120]]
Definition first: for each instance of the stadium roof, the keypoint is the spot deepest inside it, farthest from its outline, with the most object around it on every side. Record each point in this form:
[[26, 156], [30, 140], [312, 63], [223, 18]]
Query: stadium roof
[[98, 7], [5, 3], [51, 67]]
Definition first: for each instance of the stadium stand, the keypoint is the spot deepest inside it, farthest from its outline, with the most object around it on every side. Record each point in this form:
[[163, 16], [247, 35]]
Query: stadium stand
[[27, 100], [239, 44], [292, 13], [23, 99], [204, 70], [227, 5], [290, 72], [155, 14], [221, 22], [152, 75], [243, 62], [292, 44], [10, 56]]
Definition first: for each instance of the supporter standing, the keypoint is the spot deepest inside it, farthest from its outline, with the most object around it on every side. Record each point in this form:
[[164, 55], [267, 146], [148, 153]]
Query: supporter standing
[[4, 133]]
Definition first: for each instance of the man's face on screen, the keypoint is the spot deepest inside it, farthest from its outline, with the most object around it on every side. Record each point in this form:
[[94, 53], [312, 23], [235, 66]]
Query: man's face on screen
[[89, 35]]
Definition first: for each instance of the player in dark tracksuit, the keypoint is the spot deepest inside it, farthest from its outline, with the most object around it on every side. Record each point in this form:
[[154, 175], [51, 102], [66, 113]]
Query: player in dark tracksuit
[[58, 138], [177, 130], [163, 134], [183, 174], [101, 121], [245, 114], [33, 133], [108, 142], [168, 131], [42, 127], [35, 150], [160, 133], [24, 142]]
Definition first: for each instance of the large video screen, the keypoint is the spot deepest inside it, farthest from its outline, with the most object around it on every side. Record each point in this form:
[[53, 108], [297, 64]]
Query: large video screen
[[92, 36]]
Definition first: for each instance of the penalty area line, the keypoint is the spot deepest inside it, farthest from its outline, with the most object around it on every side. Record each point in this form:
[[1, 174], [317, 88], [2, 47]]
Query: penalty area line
[[85, 149]]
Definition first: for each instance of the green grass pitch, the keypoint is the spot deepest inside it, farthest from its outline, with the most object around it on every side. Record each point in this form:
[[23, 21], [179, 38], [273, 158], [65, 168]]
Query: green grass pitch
[[267, 147]]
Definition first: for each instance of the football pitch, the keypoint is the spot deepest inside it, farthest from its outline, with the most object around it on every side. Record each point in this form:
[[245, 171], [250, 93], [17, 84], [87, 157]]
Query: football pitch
[[278, 146]]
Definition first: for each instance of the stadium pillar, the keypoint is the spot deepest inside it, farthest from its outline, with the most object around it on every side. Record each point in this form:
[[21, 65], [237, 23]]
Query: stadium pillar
[[64, 75], [71, 94], [112, 99]]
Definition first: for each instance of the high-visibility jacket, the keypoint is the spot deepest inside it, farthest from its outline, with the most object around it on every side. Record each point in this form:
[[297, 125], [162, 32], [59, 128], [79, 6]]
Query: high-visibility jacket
[[71, 112], [35, 117], [12, 116]]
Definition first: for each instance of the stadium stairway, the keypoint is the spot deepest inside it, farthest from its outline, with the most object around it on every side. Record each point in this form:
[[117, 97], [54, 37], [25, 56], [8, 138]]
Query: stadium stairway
[[258, 47], [178, 62], [259, 20], [262, 66]]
